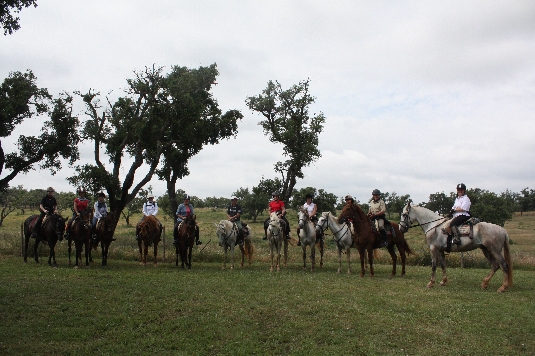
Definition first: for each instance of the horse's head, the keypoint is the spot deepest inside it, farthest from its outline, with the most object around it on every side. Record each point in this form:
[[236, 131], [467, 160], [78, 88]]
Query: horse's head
[[303, 218], [59, 226], [85, 218], [323, 221], [405, 219]]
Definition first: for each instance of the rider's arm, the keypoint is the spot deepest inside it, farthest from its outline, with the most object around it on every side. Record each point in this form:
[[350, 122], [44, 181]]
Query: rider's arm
[[76, 208]]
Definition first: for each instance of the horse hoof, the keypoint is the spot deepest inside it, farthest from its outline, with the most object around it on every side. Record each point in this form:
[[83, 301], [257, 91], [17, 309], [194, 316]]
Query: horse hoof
[[155, 265], [430, 285], [232, 268], [501, 289]]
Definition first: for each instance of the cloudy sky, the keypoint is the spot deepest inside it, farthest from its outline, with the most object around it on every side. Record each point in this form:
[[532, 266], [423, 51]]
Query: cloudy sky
[[418, 95]]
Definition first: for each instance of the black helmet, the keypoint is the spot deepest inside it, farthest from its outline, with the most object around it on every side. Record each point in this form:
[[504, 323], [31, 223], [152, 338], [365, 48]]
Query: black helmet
[[275, 193], [461, 186], [309, 196], [81, 190], [187, 197], [101, 194], [376, 192]]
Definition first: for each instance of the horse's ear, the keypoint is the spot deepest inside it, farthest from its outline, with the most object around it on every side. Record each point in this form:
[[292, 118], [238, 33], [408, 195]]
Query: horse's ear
[[216, 225]]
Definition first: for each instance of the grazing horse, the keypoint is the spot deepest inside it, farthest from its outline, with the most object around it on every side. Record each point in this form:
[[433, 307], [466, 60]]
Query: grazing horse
[[343, 237], [366, 238], [184, 234], [104, 231], [80, 233], [227, 233], [490, 238], [276, 238], [149, 233], [51, 230], [307, 236]]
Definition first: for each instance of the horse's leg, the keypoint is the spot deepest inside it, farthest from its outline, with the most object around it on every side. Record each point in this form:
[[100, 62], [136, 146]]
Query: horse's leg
[[362, 256], [189, 255], [279, 248], [140, 252], [272, 254], [285, 242], [321, 245], [156, 253], [403, 256], [104, 252], [225, 248], [394, 257], [35, 246], [434, 257], [348, 253], [495, 264], [313, 255], [145, 251], [26, 242], [87, 251], [242, 250], [304, 246], [232, 246], [370, 258], [442, 261], [69, 248]]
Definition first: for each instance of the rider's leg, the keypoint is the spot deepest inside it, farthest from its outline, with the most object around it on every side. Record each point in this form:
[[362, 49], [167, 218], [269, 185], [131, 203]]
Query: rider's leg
[[456, 235], [381, 225], [298, 237], [37, 226], [265, 229]]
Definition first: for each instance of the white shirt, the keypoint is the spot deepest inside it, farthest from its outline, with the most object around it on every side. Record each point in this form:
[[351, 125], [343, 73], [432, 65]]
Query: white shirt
[[462, 202], [309, 208], [150, 208]]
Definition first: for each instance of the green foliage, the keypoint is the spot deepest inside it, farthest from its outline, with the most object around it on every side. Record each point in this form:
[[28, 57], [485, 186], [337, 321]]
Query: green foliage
[[252, 204], [489, 207], [395, 203], [8, 21], [287, 121], [526, 199], [20, 99], [325, 201], [440, 203]]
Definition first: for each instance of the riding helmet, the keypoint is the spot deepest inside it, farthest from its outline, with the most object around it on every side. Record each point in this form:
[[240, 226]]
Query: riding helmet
[[187, 197], [309, 196], [275, 193], [50, 189], [349, 197], [150, 196], [376, 192], [233, 197], [81, 190], [101, 194], [461, 186]]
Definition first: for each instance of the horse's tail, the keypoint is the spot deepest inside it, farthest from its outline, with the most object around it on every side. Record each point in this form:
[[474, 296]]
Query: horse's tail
[[508, 259], [249, 248], [407, 248]]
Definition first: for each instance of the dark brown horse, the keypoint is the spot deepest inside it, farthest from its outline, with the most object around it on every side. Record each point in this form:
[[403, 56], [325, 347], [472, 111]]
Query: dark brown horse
[[367, 239], [184, 234], [104, 231], [51, 231], [150, 232], [80, 233]]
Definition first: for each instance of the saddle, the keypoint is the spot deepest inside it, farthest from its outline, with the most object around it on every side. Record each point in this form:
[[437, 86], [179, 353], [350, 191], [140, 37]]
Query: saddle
[[388, 228], [466, 228]]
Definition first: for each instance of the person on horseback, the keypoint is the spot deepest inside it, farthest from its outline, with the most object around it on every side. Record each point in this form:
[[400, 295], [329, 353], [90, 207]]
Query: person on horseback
[[100, 210], [150, 207], [377, 214], [460, 213], [48, 206], [277, 205], [81, 203], [184, 210], [233, 215], [311, 209]]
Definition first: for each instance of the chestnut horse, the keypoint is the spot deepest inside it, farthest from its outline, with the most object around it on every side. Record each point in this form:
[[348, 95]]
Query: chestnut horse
[[366, 239], [104, 231], [184, 234], [80, 233], [51, 230], [150, 233]]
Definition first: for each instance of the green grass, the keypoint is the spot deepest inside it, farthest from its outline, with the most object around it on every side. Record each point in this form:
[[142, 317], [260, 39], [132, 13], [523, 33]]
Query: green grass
[[129, 309]]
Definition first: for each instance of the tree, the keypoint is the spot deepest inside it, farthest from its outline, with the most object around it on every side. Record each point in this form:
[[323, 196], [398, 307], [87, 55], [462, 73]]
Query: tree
[[526, 199], [9, 22], [21, 99], [287, 121], [196, 121], [252, 204], [440, 203], [395, 203], [324, 201], [160, 123], [489, 207], [10, 200]]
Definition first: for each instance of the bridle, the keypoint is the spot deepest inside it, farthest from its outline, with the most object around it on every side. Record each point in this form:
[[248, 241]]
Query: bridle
[[271, 230], [407, 222], [233, 230], [326, 220]]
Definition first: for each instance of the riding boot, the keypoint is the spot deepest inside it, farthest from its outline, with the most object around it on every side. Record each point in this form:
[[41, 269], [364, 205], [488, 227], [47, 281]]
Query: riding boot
[[456, 235], [298, 237], [138, 237], [197, 241], [384, 241], [265, 235], [240, 238]]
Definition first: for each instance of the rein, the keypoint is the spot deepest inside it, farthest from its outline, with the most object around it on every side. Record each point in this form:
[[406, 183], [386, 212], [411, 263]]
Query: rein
[[334, 233]]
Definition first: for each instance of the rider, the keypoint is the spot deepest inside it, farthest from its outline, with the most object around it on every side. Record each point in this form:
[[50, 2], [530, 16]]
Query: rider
[[48, 206], [184, 210], [233, 215], [460, 212], [150, 207], [277, 205], [100, 210], [81, 203], [311, 209], [377, 212]]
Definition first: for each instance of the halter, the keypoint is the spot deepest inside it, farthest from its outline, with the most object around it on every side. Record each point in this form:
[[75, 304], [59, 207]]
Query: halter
[[334, 233], [408, 222]]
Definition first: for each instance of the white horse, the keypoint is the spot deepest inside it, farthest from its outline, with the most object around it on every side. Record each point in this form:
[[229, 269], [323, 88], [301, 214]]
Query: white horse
[[343, 237], [227, 233], [276, 238], [307, 236], [490, 238]]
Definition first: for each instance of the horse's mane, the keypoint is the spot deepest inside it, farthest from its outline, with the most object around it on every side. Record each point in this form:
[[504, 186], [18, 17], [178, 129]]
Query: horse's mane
[[354, 211]]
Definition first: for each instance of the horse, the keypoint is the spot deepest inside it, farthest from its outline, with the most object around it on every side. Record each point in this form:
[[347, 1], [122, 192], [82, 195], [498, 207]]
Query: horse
[[80, 233], [490, 238], [149, 233], [307, 236], [184, 234], [343, 237], [51, 231], [276, 239], [366, 239], [104, 231], [227, 233]]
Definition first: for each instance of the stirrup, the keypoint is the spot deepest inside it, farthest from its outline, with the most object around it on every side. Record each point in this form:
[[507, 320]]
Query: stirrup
[[456, 240], [198, 242]]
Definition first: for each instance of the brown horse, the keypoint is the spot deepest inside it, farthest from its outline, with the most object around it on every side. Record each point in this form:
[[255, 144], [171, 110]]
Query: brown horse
[[184, 235], [104, 231], [366, 239], [149, 232], [52, 229], [80, 233]]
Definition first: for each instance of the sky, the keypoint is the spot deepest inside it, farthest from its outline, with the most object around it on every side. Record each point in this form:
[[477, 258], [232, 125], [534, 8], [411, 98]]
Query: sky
[[418, 95]]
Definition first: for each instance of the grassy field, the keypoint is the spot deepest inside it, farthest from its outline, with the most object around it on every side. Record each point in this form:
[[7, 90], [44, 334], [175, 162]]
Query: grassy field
[[129, 309]]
